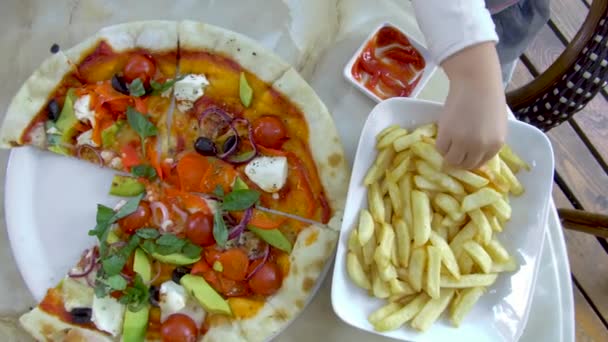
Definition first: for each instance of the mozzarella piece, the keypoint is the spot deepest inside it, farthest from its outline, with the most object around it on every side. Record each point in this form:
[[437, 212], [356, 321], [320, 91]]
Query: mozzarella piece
[[52, 130], [269, 173], [116, 163], [86, 138], [82, 110], [108, 314], [76, 294], [188, 90], [174, 299]]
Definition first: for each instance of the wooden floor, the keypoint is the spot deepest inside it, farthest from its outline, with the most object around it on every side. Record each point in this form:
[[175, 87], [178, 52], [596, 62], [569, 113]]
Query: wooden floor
[[581, 178]]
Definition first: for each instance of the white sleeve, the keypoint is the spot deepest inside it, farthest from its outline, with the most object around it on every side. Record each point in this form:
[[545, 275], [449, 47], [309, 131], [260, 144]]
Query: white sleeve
[[452, 25]]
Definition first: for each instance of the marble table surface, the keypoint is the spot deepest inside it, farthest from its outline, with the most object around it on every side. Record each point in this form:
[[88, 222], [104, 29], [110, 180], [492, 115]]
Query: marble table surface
[[316, 36]]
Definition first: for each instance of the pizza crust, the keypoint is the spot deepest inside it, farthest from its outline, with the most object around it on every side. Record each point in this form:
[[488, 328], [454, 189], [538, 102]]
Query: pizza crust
[[32, 97], [45, 327], [153, 35], [308, 260]]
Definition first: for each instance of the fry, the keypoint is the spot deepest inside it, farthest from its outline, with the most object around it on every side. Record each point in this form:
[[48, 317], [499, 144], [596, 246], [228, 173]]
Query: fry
[[400, 157], [382, 256], [468, 280], [443, 232], [388, 209], [401, 288], [432, 310], [403, 242], [401, 316], [479, 255], [433, 273], [394, 250], [353, 245], [416, 269], [513, 161], [484, 230], [428, 130], [398, 172], [452, 231], [467, 233], [406, 141], [387, 273], [423, 183], [447, 256], [450, 206], [448, 222], [494, 223], [395, 196], [446, 182], [369, 250], [383, 312], [480, 198], [465, 263], [496, 250], [356, 272], [366, 226], [460, 308], [505, 266], [376, 171], [379, 288], [402, 274], [386, 131], [469, 178], [405, 187], [514, 185], [502, 209], [421, 216], [376, 205], [428, 153], [390, 137]]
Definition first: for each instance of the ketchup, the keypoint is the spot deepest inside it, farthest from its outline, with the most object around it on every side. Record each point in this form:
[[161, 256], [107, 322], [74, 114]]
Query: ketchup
[[389, 65]]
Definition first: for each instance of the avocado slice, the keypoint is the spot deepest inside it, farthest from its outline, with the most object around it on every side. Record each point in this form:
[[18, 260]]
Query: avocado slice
[[126, 186], [108, 135], [112, 238], [273, 237], [175, 259], [209, 299], [59, 150], [135, 323], [67, 119], [239, 184]]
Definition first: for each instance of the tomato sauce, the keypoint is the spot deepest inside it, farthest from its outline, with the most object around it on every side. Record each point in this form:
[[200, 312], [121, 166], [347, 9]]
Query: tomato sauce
[[53, 304], [389, 65]]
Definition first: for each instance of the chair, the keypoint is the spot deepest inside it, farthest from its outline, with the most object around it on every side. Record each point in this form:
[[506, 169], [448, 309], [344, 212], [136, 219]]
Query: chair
[[565, 88]]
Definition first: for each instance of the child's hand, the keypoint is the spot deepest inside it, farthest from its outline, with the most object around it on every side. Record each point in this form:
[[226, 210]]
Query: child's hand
[[473, 125]]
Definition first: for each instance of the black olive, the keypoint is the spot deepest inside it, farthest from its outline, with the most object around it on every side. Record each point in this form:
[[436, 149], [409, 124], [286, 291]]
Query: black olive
[[54, 48], [154, 293], [54, 111], [205, 146], [178, 273], [119, 84], [81, 315], [229, 143]]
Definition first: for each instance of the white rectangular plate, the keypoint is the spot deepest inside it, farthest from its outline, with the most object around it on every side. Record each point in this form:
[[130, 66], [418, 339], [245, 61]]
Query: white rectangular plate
[[502, 313]]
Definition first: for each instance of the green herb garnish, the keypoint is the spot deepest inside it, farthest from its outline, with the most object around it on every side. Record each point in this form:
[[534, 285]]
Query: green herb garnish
[[159, 88], [145, 171], [220, 232], [141, 125], [136, 88], [147, 233], [240, 200], [135, 296]]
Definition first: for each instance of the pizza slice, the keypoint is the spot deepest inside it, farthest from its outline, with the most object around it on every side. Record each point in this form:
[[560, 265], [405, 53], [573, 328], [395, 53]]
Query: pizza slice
[[105, 100]]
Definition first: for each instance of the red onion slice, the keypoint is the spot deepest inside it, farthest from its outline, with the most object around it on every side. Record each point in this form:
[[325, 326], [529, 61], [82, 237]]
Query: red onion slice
[[182, 214], [157, 273], [155, 207], [89, 257], [264, 259], [80, 149], [127, 277], [237, 230], [232, 149], [244, 157], [217, 111]]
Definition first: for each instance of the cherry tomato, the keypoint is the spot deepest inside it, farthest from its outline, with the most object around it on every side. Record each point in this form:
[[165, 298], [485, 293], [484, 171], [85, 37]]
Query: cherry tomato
[[199, 229], [179, 328], [269, 131], [267, 280], [138, 219], [235, 263], [141, 67]]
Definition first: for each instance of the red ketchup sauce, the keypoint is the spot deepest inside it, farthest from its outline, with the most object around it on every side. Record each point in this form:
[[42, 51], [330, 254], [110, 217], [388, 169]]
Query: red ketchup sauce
[[389, 65]]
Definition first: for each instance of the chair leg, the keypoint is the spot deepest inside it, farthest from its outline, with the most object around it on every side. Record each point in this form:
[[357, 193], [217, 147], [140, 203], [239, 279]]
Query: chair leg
[[580, 220]]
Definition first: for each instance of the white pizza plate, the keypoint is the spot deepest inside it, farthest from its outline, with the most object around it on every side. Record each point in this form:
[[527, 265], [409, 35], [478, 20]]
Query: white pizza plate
[[427, 72], [502, 313]]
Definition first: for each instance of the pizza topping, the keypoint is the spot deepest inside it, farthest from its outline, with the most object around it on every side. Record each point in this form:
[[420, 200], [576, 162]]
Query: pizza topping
[[139, 66], [178, 273], [144, 171], [199, 229], [273, 237], [245, 91], [107, 314], [53, 110], [269, 131], [86, 138], [137, 219], [257, 263], [141, 125], [154, 295], [267, 280], [188, 90], [119, 84], [82, 110], [205, 146], [136, 88], [160, 215], [173, 297], [207, 297], [269, 173], [76, 294], [81, 315], [126, 186], [179, 328]]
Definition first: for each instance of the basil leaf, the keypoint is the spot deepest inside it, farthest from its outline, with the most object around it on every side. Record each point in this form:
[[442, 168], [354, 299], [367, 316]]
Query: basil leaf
[[167, 249], [113, 264], [117, 282], [130, 247], [170, 240], [147, 233], [101, 288], [135, 296], [104, 214], [145, 171], [149, 246], [128, 208], [159, 88], [141, 125], [219, 191], [245, 91], [191, 250], [136, 88], [220, 232], [240, 200]]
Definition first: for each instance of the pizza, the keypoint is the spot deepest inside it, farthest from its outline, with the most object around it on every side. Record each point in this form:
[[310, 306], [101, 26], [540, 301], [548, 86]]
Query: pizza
[[232, 184]]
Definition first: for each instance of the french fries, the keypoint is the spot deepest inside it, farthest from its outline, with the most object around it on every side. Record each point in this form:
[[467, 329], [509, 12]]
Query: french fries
[[428, 238]]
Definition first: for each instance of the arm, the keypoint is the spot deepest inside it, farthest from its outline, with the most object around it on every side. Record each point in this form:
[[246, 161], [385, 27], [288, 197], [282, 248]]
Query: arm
[[461, 37]]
